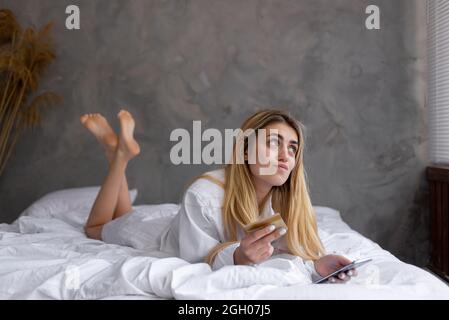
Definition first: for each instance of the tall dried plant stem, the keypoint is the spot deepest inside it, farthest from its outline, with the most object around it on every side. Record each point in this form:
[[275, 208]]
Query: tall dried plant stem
[[5, 157], [25, 56], [6, 148], [10, 96], [4, 104], [6, 130], [8, 120]]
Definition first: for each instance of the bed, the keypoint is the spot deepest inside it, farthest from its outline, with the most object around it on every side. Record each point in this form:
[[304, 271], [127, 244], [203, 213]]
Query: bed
[[44, 254]]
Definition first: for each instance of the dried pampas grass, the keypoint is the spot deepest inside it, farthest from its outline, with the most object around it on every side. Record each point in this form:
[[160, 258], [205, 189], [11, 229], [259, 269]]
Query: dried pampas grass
[[25, 54]]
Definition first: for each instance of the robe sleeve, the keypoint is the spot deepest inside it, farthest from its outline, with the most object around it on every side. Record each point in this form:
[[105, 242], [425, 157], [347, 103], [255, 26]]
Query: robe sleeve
[[198, 232], [310, 266], [225, 257]]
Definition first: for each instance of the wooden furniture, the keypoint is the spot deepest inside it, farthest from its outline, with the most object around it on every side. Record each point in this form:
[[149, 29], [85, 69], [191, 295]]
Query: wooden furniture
[[438, 178]]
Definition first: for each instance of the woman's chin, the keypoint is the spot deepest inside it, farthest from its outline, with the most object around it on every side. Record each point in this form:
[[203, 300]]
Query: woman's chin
[[278, 179]]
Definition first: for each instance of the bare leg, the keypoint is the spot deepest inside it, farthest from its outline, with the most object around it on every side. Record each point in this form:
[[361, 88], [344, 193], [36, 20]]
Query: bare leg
[[101, 129], [124, 201], [107, 199]]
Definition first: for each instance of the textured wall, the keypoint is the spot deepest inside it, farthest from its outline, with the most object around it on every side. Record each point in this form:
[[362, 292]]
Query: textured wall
[[360, 93]]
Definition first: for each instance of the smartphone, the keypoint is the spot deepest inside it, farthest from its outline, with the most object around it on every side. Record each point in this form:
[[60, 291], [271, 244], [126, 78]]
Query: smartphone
[[353, 265]]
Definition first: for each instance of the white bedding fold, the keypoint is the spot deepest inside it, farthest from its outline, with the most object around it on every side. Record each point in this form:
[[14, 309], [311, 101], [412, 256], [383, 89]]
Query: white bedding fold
[[50, 258]]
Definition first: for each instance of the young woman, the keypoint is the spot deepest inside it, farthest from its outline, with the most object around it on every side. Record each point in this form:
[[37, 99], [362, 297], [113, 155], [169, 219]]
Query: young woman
[[216, 206]]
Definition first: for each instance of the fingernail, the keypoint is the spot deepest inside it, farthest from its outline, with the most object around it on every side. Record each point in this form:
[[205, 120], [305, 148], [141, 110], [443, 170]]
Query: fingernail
[[349, 273], [342, 276], [332, 279], [282, 231], [271, 228]]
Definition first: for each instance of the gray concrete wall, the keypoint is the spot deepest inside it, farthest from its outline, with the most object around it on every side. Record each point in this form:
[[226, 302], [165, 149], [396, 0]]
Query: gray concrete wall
[[360, 93]]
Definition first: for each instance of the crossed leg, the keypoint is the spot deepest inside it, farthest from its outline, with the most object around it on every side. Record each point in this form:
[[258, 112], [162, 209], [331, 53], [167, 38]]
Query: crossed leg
[[113, 198]]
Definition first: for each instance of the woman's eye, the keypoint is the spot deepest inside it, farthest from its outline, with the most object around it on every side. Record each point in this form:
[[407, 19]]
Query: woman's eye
[[293, 149]]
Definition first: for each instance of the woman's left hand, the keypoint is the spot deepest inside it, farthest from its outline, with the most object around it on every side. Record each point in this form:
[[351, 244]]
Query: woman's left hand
[[330, 263]]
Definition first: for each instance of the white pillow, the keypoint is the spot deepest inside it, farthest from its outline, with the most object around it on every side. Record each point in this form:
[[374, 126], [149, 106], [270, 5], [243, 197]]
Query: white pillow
[[77, 199]]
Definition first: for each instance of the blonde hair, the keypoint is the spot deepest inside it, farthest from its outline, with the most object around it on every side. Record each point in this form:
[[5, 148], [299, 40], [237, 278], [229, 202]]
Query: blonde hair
[[291, 199]]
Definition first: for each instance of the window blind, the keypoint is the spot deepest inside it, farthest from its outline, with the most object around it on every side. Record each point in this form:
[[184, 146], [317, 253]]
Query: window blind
[[438, 79]]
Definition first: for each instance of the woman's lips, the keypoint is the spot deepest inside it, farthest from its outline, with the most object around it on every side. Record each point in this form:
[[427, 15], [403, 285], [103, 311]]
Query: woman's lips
[[283, 167]]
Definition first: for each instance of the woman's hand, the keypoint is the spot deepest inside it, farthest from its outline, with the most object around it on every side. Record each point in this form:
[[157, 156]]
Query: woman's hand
[[330, 263], [256, 246]]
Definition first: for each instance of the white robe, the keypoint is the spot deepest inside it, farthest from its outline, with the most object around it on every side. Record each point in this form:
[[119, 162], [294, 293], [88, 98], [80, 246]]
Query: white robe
[[198, 227]]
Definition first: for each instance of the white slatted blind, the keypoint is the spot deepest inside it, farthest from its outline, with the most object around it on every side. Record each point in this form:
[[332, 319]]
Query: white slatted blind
[[438, 79]]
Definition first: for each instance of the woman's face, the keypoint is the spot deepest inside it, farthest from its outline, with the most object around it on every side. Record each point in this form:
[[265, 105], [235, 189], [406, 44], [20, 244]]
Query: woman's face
[[275, 156]]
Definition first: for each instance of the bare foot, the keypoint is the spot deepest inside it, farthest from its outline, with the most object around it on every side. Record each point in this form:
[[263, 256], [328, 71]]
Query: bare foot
[[127, 146], [101, 129]]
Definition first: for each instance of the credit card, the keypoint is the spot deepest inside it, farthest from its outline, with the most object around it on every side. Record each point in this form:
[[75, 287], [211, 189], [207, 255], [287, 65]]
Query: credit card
[[275, 220]]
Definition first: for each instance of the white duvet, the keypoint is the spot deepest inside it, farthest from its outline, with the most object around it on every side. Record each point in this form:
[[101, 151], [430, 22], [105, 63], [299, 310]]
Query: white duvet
[[45, 255]]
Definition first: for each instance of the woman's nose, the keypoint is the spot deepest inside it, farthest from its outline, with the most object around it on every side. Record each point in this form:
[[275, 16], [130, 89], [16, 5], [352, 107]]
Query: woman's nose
[[282, 153]]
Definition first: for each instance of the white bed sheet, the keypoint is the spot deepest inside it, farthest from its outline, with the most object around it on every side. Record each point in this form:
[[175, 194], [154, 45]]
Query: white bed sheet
[[48, 257]]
